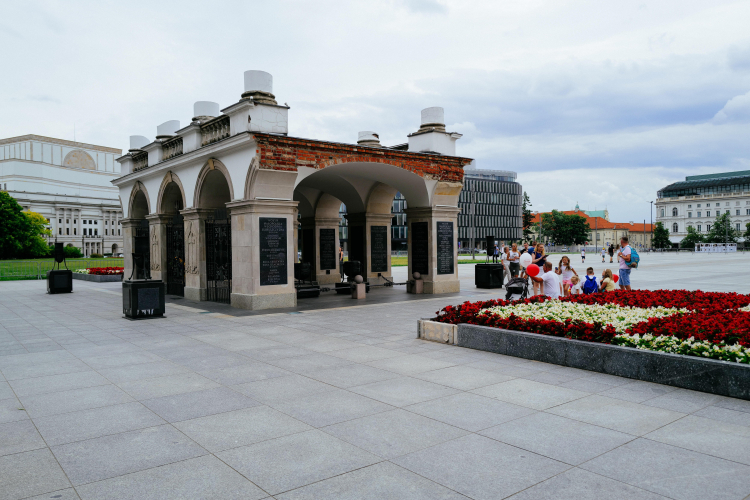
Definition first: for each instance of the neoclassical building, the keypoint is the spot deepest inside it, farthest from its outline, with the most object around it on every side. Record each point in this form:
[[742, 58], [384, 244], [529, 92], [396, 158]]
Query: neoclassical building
[[69, 183], [698, 199], [220, 207]]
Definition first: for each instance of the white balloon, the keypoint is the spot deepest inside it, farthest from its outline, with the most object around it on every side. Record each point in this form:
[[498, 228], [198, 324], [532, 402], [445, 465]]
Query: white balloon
[[525, 260]]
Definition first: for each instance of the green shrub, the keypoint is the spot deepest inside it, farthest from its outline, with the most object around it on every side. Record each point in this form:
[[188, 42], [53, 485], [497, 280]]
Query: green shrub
[[72, 252], [96, 256]]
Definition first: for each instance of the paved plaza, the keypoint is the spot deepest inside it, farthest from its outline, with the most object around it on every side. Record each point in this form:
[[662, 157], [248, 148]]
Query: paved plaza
[[342, 403]]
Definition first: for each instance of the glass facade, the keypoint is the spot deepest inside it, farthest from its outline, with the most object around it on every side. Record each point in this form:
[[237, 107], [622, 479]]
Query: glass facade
[[489, 208]]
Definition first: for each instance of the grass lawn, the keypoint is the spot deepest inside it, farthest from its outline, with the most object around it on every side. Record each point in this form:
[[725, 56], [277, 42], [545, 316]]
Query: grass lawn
[[32, 269]]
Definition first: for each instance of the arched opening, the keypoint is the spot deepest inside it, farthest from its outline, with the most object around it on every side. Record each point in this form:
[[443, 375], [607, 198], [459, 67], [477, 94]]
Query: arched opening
[[674, 212], [139, 209], [171, 199], [115, 250], [214, 193], [675, 228], [170, 204]]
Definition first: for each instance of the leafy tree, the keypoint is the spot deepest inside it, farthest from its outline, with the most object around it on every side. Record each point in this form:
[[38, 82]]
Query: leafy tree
[[72, 252], [661, 237], [528, 228], [722, 230], [746, 234], [565, 229], [693, 238], [36, 245]]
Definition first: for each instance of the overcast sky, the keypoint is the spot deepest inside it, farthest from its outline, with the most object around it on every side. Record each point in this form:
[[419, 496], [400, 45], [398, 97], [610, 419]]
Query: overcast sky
[[600, 103]]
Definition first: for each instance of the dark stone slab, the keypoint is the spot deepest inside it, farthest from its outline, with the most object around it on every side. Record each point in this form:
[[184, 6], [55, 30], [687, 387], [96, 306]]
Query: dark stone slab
[[60, 281], [488, 275], [143, 298], [379, 251], [420, 244], [688, 372], [445, 247], [273, 249], [328, 249]]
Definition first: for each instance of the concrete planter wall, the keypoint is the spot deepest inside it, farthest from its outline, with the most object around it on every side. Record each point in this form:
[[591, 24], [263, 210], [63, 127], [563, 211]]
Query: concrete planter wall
[[98, 278], [437, 332], [688, 372]]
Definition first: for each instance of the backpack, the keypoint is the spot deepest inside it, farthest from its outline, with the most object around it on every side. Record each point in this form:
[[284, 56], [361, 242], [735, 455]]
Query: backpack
[[634, 258], [590, 285]]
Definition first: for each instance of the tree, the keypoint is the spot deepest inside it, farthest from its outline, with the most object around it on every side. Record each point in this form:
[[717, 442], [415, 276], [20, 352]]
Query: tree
[[693, 238], [528, 218], [722, 230], [661, 237], [565, 229], [746, 234], [21, 233]]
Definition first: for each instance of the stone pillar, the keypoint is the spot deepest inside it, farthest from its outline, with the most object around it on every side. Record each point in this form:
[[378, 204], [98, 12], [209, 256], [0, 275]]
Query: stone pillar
[[433, 247], [195, 252], [157, 240], [262, 263], [319, 230], [372, 231], [128, 231]]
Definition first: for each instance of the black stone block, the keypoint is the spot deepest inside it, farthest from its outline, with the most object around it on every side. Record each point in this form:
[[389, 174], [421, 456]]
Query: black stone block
[[60, 281], [488, 275], [143, 298]]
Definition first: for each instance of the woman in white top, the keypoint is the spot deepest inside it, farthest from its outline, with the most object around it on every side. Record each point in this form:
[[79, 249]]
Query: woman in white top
[[504, 255], [513, 260], [567, 272]]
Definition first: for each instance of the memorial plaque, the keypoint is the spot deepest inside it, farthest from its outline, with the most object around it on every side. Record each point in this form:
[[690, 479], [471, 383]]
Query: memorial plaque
[[327, 249], [148, 298], [273, 262], [420, 248], [445, 248], [379, 248]]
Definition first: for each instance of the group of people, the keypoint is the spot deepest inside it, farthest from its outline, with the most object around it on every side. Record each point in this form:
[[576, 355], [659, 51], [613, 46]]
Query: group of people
[[564, 280]]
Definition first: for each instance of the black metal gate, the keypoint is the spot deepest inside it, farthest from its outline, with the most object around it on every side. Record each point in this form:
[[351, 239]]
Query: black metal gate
[[176, 256], [219, 257], [141, 251]]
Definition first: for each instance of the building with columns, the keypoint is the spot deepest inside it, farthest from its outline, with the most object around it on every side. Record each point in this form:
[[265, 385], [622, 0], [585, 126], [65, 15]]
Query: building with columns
[[69, 183], [219, 207], [698, 199]]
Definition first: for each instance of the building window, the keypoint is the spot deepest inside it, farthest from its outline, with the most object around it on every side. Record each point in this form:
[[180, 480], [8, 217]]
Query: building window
[[718, 204], [737, 226], [59, 231], [708, 227], [96, 222], [737, 212], [690, 214], [106, 232], [84, 221], [708, 213], [690, 206], [74, 231], [726, 204], [699, 205], [747, 211], [699, 228], [674, 212], [75, 221], [674, 228], [662, 212], [67, 231], [699, 214], [67, 221], [118, 232], [96, 232], [59, 221]]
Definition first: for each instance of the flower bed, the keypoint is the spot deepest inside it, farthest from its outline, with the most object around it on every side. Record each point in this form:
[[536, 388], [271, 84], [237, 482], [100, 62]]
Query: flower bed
[[708, 324], [101, 271]]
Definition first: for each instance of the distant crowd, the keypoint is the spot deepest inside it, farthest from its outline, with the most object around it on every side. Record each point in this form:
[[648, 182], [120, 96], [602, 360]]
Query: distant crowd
[[563, 280]]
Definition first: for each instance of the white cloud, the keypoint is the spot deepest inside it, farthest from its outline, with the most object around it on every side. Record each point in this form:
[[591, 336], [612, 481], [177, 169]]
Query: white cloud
[[737, 109]]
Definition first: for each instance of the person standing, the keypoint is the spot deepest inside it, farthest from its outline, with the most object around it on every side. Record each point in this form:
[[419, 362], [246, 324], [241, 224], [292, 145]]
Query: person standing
[[566, 273], [341, 262], [623, 256], [539, 258], [611, 252], [495, 254], [504, 259], [513, 257], [583, 255], [604, 253], [548, 281]]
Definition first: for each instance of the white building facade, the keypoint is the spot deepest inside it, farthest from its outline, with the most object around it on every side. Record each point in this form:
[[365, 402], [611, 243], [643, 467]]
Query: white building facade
[[700, 198], [69, 183]]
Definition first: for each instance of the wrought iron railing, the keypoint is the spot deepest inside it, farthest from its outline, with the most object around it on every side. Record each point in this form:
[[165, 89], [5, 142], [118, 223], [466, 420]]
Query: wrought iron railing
[[172, 148], [214, 130]]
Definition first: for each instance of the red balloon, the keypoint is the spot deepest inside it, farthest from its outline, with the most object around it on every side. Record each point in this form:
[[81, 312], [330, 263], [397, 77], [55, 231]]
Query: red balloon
[[532, 270], [616, 278]]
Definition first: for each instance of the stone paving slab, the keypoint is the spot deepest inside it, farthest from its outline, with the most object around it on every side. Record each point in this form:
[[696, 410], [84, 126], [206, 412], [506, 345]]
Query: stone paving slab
[[337, 403]]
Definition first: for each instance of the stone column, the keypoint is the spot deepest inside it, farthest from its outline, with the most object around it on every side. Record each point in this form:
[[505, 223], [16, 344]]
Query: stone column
[[374, 228], [157, 240], [263, 265], [128, 231], [430, 251], [195, 252]]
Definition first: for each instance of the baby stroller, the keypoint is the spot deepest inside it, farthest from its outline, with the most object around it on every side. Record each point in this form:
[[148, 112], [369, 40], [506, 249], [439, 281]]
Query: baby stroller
[[517, 288]]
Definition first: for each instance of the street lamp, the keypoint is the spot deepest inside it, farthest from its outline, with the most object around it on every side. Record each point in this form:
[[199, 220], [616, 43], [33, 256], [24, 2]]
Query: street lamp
[[651, 213]]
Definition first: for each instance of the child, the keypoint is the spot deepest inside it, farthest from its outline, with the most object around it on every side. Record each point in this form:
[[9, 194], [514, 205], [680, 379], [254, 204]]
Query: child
[[566, 272], [576, 289], [583, 255], [608, 284], [604, 252], [590, 285]]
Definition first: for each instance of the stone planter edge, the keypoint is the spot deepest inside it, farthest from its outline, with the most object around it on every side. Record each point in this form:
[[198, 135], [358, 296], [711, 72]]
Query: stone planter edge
[[687, 372], [98, 278]]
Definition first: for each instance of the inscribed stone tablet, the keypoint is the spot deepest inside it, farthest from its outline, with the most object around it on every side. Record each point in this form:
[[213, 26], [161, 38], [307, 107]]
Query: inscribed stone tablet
[[379, 248], [327, 249], [445, 247], [273, 262], [148, 298]]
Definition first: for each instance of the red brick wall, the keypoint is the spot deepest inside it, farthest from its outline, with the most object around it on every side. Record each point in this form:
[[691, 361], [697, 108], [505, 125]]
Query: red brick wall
[[288, 153]]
